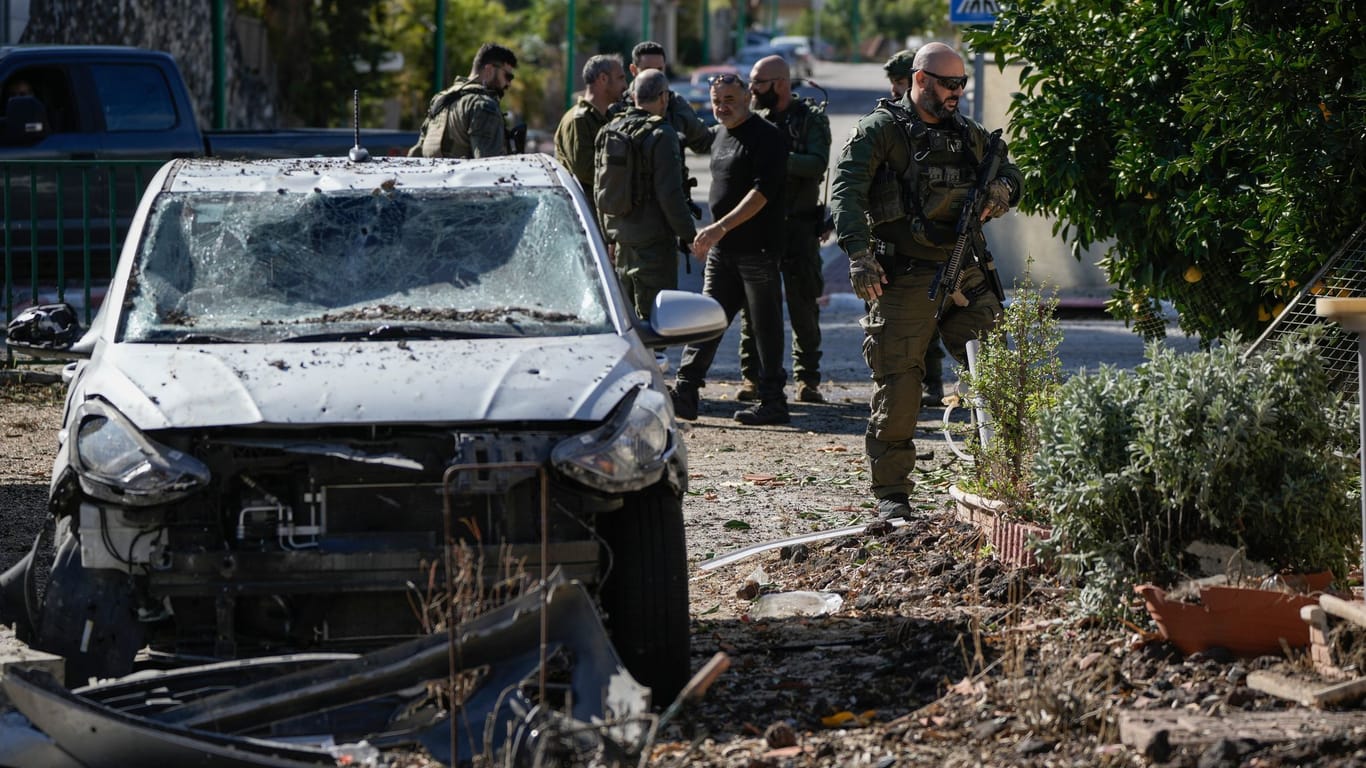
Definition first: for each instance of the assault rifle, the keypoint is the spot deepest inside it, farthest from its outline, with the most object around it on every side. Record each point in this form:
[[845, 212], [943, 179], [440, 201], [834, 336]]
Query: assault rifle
[[969, 228]]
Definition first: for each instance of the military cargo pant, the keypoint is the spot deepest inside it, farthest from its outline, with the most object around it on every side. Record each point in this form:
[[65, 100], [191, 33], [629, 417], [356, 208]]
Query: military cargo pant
[[897, 331], [934, 361], [747, 281], [803, 286], [645, 270]]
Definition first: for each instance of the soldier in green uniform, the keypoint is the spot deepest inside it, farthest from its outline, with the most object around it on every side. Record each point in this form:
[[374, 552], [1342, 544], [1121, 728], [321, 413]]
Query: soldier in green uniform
[[807, 129], [465, 120], [646, 236], [605, 78], [899, 69], [692, 132], [902, 178]]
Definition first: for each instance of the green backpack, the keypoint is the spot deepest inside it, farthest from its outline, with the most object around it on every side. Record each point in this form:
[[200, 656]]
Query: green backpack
[[620, 173]]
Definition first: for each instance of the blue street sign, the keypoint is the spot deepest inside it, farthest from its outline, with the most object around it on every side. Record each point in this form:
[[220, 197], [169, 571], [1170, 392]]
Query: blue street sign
[[973, 11]]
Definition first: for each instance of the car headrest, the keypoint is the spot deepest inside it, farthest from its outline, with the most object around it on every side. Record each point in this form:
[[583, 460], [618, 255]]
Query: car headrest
[[25, 118]]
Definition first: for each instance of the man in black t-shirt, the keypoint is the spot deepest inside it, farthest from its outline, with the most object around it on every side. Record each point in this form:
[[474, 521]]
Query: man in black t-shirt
[[749, 171]]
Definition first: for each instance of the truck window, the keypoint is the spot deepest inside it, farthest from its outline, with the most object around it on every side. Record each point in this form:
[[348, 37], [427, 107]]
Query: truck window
[[49, 86], [136, 97]]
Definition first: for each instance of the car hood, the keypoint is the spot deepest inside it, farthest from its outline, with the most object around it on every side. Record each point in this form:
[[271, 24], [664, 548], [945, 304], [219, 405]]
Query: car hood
[[161, 386]]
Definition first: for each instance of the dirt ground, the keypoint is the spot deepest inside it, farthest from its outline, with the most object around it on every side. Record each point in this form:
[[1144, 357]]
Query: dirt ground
[[937, 654]]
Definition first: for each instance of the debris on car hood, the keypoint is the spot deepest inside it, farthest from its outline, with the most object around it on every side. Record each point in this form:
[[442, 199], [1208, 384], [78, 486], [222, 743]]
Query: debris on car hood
[[536, 379], [295, 710]]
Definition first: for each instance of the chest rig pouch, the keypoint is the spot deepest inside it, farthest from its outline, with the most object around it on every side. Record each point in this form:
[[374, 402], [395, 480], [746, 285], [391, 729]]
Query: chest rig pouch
[[930, 191]]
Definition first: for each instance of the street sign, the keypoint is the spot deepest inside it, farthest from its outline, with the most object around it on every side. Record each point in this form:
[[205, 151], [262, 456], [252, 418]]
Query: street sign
[[973, 11]]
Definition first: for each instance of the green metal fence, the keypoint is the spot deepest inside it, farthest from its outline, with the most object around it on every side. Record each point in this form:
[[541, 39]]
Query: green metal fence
[[65, 221]]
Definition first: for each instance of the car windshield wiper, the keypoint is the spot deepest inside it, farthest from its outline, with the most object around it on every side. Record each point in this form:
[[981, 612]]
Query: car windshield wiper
[[390, 332]]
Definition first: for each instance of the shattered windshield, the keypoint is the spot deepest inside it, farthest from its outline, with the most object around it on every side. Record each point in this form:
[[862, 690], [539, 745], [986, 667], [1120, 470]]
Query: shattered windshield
[[384, 263]]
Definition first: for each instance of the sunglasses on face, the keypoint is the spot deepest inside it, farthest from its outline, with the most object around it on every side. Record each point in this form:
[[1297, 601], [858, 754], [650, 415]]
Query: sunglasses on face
[[949, 83], [726, 79]]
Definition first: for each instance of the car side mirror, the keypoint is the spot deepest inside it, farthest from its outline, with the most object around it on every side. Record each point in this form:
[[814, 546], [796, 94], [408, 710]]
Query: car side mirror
[[43, 329], [25, 121], [682, 317]]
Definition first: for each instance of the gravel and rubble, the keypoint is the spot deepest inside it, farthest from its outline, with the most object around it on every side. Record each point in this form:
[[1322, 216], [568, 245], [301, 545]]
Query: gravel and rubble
[[937, 654]]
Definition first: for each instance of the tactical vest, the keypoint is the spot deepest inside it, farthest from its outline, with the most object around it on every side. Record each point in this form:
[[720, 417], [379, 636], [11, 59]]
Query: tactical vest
[[797, 127], [798, 115], [931, 189], [432, 136]]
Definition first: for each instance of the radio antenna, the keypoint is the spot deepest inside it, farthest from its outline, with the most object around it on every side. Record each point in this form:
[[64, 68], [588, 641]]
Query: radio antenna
[[358, 154]]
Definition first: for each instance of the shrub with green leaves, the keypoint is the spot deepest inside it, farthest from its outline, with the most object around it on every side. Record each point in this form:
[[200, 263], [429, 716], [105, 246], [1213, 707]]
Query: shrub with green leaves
[[1219, 146], [1136, 465], [1016, 378]]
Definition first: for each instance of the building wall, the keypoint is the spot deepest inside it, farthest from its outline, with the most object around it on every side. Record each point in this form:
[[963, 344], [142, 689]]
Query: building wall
[[1016, 238]]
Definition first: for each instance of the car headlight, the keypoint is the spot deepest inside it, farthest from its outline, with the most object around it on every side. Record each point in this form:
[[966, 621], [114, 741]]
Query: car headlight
[[627, 453], [116, 462]]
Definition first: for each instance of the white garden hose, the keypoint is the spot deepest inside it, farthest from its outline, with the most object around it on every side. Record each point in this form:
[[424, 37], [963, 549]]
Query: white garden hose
[[978, 414]]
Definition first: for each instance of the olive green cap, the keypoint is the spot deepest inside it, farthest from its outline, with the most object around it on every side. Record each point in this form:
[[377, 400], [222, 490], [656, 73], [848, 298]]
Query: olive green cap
[[902, 64]]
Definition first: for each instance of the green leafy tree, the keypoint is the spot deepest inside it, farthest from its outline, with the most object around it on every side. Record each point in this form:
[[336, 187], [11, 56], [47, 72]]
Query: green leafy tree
[[1218, 145], [469, 24], [323, 51], [534, 29]]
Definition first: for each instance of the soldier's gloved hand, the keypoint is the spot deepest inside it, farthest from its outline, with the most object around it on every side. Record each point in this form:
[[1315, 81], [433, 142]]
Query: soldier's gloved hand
[[998, 200], [866, 275]]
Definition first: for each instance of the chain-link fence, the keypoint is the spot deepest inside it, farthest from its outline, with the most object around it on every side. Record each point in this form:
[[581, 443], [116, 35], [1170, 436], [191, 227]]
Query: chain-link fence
[[1343, 276]]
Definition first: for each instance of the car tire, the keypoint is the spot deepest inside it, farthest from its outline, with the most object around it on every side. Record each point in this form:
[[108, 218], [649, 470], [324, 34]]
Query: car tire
[[89, 616], [645, 595]]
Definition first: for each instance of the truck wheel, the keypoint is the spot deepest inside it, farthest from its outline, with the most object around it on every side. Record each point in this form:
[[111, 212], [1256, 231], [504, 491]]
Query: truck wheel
[[89, 616], [645, 595]]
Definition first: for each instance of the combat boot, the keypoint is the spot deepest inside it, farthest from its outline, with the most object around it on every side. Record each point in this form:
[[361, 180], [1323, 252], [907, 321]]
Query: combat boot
[[749, 392], [809, 393], [896, 505], [771, 412], [685, 400]]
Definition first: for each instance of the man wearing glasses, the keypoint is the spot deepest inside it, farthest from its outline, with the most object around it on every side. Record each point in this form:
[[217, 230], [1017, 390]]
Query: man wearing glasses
[[902, 178], [749, 170], [465, 120], [899, 69]]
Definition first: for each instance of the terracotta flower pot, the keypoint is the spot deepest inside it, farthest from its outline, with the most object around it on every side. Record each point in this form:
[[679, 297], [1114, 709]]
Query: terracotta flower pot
[[1246, 621], [1009, 539]]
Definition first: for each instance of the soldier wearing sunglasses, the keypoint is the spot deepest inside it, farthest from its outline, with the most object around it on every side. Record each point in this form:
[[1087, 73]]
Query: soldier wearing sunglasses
[[465, 120], [902, 179]]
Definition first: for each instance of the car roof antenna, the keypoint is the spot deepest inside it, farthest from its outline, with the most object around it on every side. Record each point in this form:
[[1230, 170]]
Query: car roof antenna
[[358, 154]]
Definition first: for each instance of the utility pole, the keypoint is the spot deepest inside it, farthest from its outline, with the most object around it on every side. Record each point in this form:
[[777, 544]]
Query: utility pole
[[569, 57], [220, 66], [854, 23], [740, 23], [706, 31], [439, 47], [644, 19]]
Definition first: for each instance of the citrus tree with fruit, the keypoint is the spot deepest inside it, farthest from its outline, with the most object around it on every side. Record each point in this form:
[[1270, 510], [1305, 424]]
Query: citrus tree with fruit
[[1217, 146]]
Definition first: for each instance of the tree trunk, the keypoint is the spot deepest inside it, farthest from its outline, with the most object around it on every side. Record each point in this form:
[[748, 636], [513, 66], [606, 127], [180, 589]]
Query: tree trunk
[[186, 34]]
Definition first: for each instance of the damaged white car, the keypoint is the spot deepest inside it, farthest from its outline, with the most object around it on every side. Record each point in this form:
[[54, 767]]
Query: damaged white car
[[308, 374]]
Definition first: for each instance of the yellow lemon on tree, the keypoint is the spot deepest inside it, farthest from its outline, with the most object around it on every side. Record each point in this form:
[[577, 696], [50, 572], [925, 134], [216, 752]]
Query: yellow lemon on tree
[[1193, 274]]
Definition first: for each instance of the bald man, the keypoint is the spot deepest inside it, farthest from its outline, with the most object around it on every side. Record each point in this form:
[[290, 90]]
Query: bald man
[[902, 178], [749, 170], [806, 132]]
